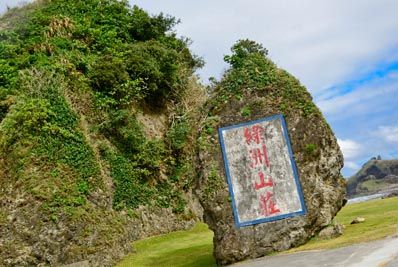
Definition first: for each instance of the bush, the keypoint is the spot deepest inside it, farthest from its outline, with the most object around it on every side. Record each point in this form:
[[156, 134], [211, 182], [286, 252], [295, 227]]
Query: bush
[[107, 73], [124, 131], [155, 65], [178, 134], [27, 117], [8, 74], [144, 27], [130, 190], [243, 49], [150, 157], [110, 78]]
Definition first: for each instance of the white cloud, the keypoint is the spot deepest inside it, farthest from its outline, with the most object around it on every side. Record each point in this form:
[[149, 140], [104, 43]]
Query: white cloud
[[374, 96], [389, 133], [320, 42], [4, 4], [350, 148], [352, 165]]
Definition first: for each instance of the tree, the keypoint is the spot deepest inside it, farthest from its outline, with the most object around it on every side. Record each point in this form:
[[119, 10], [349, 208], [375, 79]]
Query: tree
[[242, 49]]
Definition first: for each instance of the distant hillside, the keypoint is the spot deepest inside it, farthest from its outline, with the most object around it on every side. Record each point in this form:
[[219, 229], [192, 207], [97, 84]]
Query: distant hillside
[[375, 176]]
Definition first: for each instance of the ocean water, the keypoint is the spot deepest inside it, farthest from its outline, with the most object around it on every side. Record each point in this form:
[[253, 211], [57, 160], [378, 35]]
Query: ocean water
[[365, 198]]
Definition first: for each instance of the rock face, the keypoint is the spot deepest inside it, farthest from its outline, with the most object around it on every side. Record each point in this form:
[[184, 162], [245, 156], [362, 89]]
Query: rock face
[[85, 169], [331, 231], [251, 89], [375, 176]]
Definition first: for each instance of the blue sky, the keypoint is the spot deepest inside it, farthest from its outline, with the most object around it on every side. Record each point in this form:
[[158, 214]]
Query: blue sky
[[344, 52]]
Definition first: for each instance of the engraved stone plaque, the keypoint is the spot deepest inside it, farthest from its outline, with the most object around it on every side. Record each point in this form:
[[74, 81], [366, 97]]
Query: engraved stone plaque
[[261, 172]]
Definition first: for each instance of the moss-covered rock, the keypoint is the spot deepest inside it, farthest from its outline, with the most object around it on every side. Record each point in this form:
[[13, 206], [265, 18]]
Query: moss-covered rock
[[255, 88], [96, 143]]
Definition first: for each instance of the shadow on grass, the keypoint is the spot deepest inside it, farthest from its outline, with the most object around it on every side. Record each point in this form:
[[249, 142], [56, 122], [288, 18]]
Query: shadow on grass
[[194, 256]]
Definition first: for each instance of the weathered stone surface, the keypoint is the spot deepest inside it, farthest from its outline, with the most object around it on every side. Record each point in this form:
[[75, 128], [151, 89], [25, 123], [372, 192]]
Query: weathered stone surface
[[254, 89], [261, 171], [57, 244], [331, 231], [358, 220]]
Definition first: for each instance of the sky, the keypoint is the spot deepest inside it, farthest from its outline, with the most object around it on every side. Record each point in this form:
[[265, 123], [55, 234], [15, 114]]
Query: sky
[[344, 52], [4, 4]]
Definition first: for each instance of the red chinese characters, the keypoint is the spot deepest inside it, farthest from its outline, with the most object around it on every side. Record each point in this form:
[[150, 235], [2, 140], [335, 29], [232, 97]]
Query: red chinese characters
[[263, 183], [255, 134], [259, 156], [259, 160], [267, 204]]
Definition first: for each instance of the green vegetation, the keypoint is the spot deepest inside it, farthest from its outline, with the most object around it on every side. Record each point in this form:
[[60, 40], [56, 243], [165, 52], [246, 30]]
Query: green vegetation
[[214, 183], [95, 111], [381, 221], [41, 133], [372, 185], [251, 71], [194, 247], [310, 149], [178, 134], [99, 112], [246, 111], [123, 60], [183, 248]]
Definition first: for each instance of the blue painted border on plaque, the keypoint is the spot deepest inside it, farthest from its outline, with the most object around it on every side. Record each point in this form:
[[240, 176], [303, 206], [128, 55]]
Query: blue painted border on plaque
[[293, 163]]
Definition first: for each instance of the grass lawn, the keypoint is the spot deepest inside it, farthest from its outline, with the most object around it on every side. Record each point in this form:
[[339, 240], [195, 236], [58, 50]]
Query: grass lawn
[[381, 221], [183, 248], [194, 247]]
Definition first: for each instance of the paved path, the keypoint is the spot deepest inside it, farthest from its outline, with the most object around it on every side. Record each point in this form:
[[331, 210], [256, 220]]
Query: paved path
[[381, 253]]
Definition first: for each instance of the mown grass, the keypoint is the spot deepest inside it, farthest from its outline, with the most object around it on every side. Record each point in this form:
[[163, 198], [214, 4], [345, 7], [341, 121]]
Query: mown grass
[[183, 248], [195, 248], [381, 220]]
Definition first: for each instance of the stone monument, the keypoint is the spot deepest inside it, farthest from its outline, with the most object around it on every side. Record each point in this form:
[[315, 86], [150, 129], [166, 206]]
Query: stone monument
[[278, 182]]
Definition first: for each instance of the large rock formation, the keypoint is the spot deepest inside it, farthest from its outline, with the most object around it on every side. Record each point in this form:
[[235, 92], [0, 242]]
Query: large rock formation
[[96, 131], [254, 88]]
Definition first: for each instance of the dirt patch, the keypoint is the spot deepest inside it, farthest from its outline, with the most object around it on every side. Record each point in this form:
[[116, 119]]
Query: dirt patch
[[154, 124]]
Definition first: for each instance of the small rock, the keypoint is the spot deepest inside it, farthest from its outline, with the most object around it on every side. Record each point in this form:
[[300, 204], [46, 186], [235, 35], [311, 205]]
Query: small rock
[[331, 231], [358, 220]]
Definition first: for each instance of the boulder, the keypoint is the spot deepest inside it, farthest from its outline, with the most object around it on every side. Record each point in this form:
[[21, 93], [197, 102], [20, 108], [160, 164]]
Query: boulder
[[331, 231], [254, 88], [358, 220]]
